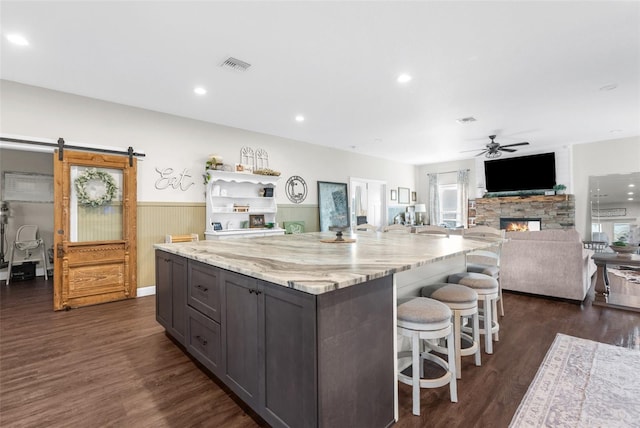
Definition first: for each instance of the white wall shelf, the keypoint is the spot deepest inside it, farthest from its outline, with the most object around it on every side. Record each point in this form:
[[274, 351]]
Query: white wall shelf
[[225, 190]]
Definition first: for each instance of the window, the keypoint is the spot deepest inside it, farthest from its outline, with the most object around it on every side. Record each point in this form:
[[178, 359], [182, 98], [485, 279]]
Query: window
[[450, 212]]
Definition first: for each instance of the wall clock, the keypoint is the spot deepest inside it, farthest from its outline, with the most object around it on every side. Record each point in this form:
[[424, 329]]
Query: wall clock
[[296, 189]]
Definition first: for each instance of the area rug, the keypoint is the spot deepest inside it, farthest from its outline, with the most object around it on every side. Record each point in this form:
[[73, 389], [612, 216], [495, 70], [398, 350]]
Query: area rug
[[582, 383]]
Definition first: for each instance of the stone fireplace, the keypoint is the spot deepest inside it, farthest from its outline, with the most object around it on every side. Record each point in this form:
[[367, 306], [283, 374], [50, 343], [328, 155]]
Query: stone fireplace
[[552, 212], [511, 224]]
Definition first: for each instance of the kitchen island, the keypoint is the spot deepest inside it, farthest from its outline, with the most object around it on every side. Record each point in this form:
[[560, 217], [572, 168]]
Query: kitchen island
[[303, 331]]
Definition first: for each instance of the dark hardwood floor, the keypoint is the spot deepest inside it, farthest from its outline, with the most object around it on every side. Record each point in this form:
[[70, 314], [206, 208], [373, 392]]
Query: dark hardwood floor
[[112, 365]]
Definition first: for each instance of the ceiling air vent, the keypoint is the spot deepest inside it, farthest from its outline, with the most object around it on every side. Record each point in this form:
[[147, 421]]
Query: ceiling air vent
[[235, 64], [466, 120]]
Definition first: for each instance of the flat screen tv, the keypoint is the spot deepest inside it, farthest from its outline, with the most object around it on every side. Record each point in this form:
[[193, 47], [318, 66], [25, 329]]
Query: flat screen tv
[[534, 172]]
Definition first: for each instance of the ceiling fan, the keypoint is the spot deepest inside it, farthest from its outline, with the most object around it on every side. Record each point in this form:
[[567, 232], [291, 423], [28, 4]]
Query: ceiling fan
[[494, 150]]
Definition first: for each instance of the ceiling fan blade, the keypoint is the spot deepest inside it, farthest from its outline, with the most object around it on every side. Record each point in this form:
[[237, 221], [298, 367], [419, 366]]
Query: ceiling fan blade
[[482, 152], [502, 149], [524, 143], [473, 150]]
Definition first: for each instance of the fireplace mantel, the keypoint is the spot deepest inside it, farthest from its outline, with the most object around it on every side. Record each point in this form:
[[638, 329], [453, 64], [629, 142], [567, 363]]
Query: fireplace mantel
[[555, 211]]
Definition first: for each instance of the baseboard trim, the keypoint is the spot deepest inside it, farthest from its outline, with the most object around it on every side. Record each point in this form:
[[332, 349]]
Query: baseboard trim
[[146, 291]]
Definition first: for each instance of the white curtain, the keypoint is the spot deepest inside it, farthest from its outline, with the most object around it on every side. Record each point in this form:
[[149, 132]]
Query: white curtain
[[463, 195], [434, 200]]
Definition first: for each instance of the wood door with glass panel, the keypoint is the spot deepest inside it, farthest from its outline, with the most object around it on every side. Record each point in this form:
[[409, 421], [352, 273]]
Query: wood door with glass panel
[[94, 229]]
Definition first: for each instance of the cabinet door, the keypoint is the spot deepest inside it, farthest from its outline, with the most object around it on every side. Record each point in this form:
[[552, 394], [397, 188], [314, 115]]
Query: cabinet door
[[163, 289], [240, 336], [171, 292], [289, 383]]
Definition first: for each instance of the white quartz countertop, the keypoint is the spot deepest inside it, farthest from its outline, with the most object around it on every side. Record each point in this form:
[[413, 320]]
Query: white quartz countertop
[[304, 263]]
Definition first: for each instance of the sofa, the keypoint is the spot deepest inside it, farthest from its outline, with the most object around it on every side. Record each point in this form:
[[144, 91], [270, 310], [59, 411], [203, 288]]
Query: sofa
[[547, 262]]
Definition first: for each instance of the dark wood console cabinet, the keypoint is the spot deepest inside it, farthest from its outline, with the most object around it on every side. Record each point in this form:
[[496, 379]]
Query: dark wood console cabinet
[[297, 359]]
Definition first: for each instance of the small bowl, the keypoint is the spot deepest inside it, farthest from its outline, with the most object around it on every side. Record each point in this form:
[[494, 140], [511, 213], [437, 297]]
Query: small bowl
[[625, 250]]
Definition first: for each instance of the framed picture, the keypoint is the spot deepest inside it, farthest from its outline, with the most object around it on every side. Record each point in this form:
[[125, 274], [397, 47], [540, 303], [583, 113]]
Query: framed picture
[[256, 220], [333, 205], [414, 196], [394, 195], [403, 195]]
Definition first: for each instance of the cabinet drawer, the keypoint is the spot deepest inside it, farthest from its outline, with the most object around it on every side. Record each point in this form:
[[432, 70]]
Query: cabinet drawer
[[203, 340], [204, 289]]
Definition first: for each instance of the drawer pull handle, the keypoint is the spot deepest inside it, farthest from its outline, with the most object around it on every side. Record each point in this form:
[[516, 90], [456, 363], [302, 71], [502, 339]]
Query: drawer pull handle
[[202, 340], [200, 287]]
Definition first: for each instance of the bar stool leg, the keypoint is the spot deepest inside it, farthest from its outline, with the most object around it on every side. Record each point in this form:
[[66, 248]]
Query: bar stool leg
[[488, 325], [476, 336], [494, 311], [457, 333], [416, 369], [453, 388]]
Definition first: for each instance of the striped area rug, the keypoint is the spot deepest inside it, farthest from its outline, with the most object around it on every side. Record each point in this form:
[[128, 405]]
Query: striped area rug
[[582, 383]]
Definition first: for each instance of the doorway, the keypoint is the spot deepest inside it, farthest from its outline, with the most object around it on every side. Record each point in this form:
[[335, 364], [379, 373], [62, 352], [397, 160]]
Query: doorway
[[368, 202]]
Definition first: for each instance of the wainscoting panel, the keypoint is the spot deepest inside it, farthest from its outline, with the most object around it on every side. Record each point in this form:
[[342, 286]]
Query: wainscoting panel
[[307, 213], [157, 219]]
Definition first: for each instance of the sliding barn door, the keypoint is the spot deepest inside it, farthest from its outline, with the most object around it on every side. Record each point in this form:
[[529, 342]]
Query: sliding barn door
[[94, 229]]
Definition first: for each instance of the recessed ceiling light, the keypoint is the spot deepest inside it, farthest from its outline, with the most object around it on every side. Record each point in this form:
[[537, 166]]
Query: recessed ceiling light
[[632, 185], [199, 90], [609, 87], [17, 39], [464, 120], [629, 193], [404, 78], [629, 199], [299, 118]]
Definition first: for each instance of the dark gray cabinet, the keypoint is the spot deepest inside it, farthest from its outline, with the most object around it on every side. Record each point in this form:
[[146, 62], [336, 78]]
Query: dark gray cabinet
[[297, 359], [240, 335], [270, 346], [171, 292]]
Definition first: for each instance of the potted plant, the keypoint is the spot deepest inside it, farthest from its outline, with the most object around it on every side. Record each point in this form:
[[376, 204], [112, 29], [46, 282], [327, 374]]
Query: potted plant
[[559, 189]]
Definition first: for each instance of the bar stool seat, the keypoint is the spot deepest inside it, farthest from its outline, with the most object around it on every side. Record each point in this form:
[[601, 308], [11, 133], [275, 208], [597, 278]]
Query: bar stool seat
[[488, 292], [463, 301], [421, 320]]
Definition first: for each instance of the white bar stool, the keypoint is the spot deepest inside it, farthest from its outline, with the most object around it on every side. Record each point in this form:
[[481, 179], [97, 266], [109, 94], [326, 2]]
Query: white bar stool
[[487, 289], [422, 319], [463, 301]]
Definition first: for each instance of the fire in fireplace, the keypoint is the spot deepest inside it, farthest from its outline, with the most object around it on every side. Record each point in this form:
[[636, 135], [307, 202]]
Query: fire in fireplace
[[520, 224]]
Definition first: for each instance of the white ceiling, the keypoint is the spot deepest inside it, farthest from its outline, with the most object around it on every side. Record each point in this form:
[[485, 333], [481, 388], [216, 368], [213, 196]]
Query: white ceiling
[[527, 71]]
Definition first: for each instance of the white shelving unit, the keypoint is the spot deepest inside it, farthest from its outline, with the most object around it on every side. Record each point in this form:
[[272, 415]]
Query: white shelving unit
[[232, 197]]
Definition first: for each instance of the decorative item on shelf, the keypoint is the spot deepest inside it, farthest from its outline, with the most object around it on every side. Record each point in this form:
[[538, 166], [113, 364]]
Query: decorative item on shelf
[[214, 162], [261, 192], [266, 171], [268, 192], [256, 220], [95, 188], [261, 159], [559, 189], [238, 208], [247, 158], [216, 225]]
